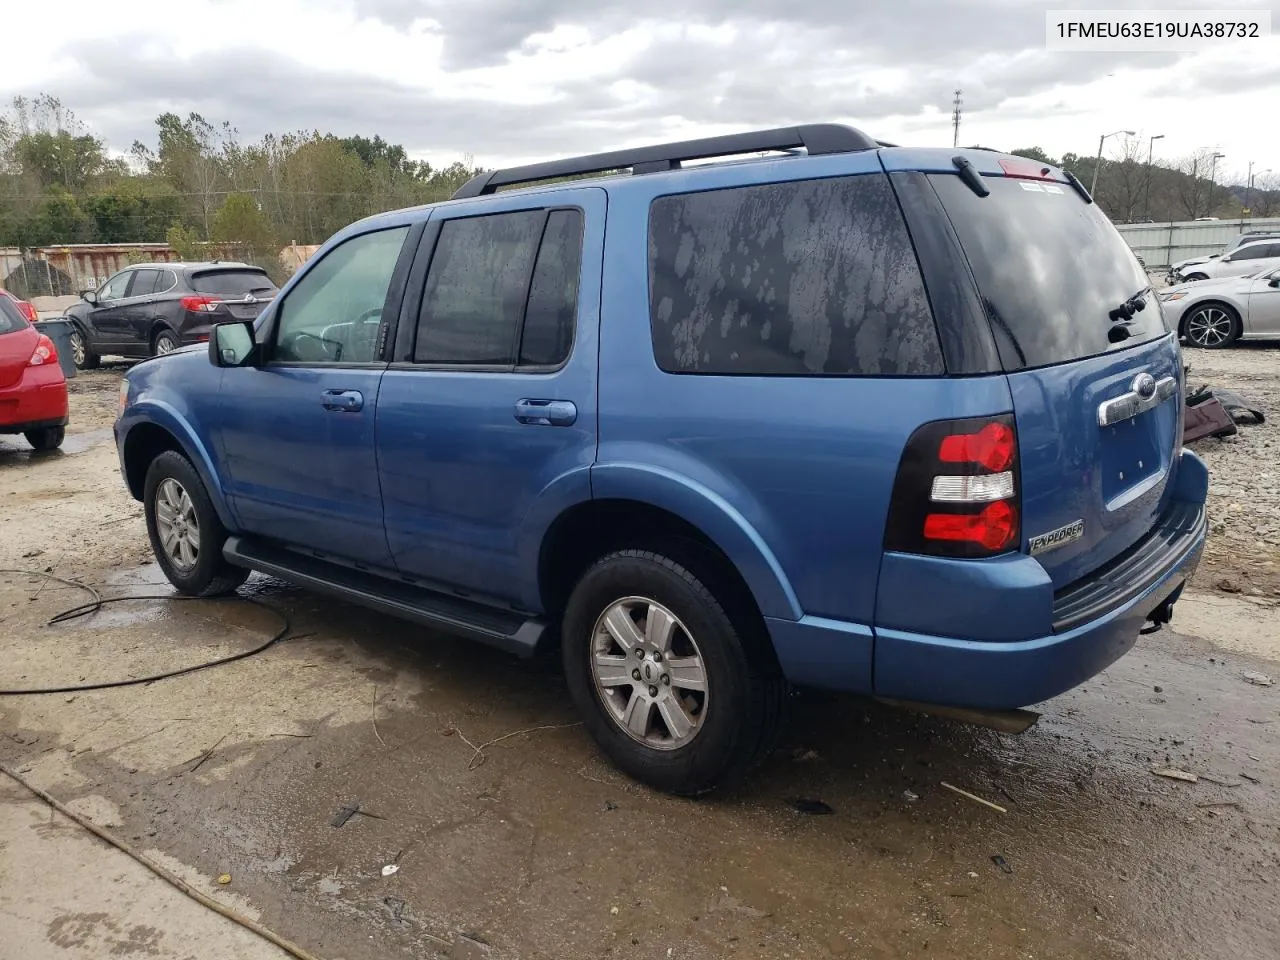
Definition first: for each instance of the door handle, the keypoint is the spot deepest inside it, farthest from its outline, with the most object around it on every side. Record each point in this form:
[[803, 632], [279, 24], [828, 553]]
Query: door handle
[[342, 401], [546, 413]]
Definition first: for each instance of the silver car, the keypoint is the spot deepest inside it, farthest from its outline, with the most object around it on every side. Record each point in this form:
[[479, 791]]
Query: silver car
[[1217, 313], [1184, 269]]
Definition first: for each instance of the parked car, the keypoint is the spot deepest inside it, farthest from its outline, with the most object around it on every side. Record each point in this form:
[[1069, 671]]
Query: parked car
[[33, 390], [23, 307], [714, 430], [1217, 313], [1181, 270], [153, 308], [1246, 259]]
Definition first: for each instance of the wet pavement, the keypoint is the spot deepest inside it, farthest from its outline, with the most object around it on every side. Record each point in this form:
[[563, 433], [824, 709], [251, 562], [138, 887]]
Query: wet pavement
[[544, 851]]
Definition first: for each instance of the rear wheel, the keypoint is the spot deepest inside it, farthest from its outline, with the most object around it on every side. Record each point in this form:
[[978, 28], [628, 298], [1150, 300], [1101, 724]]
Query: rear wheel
[[47, 438], [85, 358], [663, 677], [186, 534], [166, 341], [1212, 326]]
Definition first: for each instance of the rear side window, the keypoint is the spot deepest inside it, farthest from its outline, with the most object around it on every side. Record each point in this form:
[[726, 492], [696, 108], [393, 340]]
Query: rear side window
[[1051, 269], [232, 283], [11, 319], [808, 278]]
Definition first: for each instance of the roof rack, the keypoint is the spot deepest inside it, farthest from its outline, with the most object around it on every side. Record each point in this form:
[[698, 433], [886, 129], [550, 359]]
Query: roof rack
[[816, 138]]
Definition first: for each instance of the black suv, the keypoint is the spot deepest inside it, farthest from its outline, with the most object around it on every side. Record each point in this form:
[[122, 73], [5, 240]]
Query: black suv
[[154, 308]]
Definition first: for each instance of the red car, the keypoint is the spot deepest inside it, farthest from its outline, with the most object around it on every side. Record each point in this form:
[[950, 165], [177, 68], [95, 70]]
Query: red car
[[24, 308], [33, 391]]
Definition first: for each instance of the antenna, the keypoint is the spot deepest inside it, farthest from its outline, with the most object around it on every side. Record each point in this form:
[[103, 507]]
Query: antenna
[[955, 119]]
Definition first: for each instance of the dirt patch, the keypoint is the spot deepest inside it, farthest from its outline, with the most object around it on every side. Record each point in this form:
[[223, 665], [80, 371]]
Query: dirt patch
[[1243, 552]]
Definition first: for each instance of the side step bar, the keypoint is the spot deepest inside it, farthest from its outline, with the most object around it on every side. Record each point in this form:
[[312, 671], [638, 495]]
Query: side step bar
[[465, 618]]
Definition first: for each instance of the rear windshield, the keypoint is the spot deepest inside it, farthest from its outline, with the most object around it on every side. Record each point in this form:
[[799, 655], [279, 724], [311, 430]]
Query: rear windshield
[[233, 283], [1051, 270], [10, 318]]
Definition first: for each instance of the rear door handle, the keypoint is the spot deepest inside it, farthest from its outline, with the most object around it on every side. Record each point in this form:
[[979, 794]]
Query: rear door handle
[[546, 413], [342, 401]]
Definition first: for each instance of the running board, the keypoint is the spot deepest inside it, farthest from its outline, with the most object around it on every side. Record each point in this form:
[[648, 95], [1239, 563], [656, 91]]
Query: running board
[[1006, 721], [503, 629]]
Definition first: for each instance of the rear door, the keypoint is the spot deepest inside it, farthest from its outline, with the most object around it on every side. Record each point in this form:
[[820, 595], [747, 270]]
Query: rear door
[[1096, 387], [137, 310], [489, 412]]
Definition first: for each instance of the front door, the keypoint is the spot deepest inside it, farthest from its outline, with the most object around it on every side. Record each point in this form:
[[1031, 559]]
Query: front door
[[488, 415], [1264, 306], [106, 317], [298, 430]]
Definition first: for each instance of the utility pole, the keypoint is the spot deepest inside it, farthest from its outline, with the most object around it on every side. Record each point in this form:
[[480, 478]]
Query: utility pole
[[955, 119], [1146, 203], [1097, 163], [1213, 172], [1248, 189]]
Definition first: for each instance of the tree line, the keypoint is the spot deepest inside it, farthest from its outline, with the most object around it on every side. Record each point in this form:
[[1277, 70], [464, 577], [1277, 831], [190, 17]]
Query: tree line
[[198, 183]]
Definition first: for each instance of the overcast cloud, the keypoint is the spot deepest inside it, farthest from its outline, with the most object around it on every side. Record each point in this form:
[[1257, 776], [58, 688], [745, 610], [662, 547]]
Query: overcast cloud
[[513, 80]]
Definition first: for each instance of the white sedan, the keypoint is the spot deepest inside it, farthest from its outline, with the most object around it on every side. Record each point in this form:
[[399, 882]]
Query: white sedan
[[1217, 313]]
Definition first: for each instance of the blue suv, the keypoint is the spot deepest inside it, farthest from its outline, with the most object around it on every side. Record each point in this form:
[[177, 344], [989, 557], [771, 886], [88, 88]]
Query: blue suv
[[898, 421]]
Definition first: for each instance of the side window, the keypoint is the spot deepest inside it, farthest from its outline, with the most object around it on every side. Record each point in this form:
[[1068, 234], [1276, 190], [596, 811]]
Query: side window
[[167, 281], [144, 283], [1255, 251], [476, 289], [805, 278], [552, 313], [334, 312], [114, 288]]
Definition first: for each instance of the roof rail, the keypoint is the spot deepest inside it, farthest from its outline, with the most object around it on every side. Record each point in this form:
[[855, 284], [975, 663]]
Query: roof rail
[[816, 138]]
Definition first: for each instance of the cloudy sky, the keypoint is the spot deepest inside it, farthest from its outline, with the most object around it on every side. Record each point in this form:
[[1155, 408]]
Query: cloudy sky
[[514, 80]]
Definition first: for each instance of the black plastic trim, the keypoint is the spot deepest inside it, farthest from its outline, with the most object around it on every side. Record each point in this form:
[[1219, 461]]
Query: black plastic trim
[[1113, 585], [817, 139], [503, 629]]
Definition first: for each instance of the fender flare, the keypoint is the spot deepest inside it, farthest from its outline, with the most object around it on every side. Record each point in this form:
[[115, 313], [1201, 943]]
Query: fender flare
[[161, 414], [719, 520]]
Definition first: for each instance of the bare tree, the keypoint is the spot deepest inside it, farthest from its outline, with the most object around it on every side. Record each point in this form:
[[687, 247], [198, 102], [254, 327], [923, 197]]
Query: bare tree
[[1265, 198], [1122, 182], [1194, 190]]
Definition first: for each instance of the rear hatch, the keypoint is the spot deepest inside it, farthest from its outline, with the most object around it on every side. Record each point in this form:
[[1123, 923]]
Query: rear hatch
[[1097, 445], [17, 343], [244, 292]]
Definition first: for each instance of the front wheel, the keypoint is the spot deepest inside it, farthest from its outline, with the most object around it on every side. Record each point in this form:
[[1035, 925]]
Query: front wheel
[[84, 357], [662, 677], [47, 438], [1212, 326], [1195, 278], [186, 534]]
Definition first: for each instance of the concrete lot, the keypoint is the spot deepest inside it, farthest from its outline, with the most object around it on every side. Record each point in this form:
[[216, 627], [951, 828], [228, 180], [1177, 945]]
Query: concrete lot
[[542, 850]]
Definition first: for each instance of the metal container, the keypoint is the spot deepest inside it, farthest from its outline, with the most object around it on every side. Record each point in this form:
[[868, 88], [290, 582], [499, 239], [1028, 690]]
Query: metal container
[[59, 331]]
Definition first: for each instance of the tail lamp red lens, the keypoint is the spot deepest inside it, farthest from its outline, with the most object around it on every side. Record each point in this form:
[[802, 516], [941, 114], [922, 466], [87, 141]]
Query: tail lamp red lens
[[200, 304], [44, 353], [956, 493], [991, 448]]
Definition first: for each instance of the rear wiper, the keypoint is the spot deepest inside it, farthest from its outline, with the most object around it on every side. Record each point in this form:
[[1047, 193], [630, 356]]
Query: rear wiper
[[1132, 305]]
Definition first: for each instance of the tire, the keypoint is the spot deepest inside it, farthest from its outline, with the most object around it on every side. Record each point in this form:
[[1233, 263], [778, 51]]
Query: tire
[[1195, 277], [47, 438], [165, 341], [84, 357], [1212, 326], [732, 722], [196, 569]]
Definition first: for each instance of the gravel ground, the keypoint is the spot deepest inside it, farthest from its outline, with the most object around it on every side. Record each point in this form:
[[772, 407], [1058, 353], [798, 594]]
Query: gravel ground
[[1243, 554]]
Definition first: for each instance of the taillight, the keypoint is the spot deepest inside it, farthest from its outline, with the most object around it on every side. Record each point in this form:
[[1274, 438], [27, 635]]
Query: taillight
[[956, 492], [28, 311], [45, 352], [200, 304]]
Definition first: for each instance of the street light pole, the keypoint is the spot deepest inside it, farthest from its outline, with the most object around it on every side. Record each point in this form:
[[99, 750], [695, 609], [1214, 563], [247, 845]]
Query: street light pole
[[1097, 163], [1248, 190], [1146, 203], [1213, 171]]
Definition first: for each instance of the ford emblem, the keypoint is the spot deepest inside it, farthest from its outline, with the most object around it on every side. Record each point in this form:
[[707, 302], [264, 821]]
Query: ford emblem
[[1144, 385]]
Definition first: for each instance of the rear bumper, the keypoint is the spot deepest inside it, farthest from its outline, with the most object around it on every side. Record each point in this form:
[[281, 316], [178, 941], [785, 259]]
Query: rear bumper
[[38, 400], [1093, 623]]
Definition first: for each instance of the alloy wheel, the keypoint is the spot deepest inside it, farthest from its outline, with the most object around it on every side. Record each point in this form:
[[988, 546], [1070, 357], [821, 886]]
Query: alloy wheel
[[1209, 327], [177, 524]]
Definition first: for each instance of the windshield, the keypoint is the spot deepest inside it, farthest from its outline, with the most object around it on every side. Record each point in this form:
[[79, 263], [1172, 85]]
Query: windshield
[[233, 283], [1051, 269]]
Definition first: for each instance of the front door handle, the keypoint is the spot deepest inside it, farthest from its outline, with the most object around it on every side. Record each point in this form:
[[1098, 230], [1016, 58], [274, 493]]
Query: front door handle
[[342, 401], [546, 413]]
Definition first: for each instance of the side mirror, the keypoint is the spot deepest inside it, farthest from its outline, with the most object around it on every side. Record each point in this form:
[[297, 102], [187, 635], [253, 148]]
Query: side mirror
[[1275, 281], [232, 344], [90, 297]]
